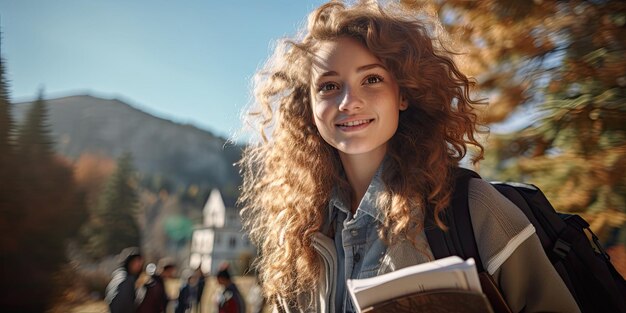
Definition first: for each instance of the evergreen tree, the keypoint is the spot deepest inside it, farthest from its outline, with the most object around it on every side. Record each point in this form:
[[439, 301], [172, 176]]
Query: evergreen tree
[[8, 188], [6, 121], [46, 211], [34, 140], [113, 225]]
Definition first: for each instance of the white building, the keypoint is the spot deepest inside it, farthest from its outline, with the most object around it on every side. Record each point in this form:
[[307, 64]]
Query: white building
[[220, 239]]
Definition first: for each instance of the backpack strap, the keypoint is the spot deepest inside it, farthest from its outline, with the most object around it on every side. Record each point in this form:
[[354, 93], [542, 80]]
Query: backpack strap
[[459, 238]]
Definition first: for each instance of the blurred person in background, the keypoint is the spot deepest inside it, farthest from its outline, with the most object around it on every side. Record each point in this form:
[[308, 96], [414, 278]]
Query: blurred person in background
[[188, 298], [120, 292], [201, 284], [154, 296], [230, 301]]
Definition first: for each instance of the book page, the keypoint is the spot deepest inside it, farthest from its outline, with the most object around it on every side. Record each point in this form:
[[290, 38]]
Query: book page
[[447, 273]]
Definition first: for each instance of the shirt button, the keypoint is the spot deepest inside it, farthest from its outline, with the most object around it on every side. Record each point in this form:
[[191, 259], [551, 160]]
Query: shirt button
[[357, 258], [354, 232]]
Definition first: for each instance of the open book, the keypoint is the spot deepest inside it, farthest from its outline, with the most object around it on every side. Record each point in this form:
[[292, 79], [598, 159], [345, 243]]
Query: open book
[[444, 285]]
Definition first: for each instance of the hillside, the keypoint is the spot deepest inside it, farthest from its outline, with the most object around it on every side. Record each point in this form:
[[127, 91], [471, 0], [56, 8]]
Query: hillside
[[181, 153]]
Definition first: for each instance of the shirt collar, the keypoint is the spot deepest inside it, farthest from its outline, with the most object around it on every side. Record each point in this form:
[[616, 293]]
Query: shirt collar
[[368, 204]]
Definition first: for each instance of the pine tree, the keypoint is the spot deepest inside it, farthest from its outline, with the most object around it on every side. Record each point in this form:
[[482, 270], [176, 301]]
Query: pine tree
[[10, 196], [113, 225], [6, 121], [47, 210], [34, 141], [8, 188]]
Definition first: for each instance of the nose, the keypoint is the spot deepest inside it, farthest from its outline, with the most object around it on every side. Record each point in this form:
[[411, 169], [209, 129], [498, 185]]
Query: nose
[[350, 100]]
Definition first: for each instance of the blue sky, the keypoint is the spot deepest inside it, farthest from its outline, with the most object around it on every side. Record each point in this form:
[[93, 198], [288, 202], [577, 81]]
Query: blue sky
[[190, 61]]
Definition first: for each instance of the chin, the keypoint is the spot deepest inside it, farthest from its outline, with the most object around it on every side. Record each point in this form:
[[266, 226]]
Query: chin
[[355, 150]]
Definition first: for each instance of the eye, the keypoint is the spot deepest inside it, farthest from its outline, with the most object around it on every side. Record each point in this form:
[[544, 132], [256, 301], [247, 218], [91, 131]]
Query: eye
[[327, 87], [372, 79]]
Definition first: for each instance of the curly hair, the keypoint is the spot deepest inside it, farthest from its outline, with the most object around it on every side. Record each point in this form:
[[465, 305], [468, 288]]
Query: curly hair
[[289, 175]]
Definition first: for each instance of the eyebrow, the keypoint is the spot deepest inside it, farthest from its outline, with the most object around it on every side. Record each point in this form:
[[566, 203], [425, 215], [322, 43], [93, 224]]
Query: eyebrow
[[358, 70]]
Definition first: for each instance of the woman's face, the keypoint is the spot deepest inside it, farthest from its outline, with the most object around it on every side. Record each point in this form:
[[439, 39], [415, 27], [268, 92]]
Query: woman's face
[[356, 102]]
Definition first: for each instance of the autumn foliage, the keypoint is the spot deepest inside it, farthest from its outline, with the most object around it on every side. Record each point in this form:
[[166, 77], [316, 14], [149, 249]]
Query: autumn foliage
[[554, 73]]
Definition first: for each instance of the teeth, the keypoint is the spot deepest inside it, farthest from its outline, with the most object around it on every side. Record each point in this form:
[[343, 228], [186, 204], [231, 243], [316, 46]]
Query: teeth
[[354, 123]]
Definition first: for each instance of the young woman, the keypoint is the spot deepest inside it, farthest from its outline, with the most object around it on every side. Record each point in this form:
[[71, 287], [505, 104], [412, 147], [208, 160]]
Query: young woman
[[362, 122]]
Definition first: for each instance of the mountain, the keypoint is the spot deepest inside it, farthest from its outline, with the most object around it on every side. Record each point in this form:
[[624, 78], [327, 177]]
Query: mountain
[[181, 153]]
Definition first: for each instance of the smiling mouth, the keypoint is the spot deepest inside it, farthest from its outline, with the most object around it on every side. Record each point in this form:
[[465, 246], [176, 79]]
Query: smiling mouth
[[355, 123]]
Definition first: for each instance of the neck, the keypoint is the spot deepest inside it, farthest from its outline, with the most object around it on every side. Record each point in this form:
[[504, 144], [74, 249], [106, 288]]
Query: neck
[[360, 169]]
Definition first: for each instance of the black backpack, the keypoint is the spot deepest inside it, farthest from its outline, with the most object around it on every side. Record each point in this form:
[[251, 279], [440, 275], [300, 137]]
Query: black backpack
[[583, 265]]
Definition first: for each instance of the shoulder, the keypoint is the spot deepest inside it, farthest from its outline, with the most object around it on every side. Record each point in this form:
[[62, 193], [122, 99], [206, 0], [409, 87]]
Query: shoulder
[[117, 278], [500, 227], [485, 200], [119, 273], [234, 290]]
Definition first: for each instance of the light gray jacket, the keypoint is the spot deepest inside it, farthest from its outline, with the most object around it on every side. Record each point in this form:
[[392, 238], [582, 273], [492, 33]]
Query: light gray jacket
[[507, 243]]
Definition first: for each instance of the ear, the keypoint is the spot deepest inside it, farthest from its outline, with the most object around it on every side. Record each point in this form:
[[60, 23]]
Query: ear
[[404, 104]]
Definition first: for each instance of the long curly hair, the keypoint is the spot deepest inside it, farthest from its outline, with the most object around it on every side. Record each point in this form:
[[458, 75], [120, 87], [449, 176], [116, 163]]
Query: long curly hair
[[289, 175]]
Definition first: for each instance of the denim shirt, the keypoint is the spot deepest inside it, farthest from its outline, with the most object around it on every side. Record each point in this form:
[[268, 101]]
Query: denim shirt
[[360, 251]]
